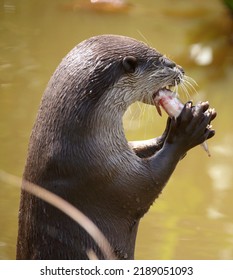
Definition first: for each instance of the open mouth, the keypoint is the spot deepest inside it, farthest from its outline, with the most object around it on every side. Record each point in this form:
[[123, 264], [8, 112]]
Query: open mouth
[[166, 98], [169, 89]]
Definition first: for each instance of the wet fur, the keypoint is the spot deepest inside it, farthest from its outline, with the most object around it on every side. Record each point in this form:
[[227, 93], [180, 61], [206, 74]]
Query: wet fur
[[78, 149]]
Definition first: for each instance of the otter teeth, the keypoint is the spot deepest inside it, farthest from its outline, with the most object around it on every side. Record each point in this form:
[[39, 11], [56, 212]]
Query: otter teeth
[[169, 88]]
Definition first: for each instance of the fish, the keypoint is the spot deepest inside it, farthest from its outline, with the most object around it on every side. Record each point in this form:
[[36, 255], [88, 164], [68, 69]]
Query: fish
[[173, 106]]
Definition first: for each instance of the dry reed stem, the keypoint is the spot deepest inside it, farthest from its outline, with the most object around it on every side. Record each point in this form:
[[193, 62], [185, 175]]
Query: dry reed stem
[[68, 209]]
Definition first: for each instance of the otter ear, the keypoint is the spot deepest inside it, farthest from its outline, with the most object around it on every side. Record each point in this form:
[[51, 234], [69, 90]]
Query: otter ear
[[129, 63]]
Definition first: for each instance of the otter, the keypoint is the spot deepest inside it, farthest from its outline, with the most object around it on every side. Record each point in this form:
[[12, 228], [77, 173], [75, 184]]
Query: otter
[[78, 149]]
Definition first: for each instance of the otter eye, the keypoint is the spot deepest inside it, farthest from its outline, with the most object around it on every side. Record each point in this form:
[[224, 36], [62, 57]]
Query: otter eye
[[129, 64]]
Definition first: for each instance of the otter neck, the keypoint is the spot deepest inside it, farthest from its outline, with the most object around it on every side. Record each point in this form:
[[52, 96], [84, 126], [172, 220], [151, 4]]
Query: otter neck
[[105, 119], [107, 127]]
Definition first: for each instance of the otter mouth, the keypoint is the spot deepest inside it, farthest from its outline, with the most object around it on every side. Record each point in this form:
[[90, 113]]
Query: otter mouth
[[164, 91], [168, 89]]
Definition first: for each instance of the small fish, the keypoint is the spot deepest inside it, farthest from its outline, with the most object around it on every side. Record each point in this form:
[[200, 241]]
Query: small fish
[[172, 105]]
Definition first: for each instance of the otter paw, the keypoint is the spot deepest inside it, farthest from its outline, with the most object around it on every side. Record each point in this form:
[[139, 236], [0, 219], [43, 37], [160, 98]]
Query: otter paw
[[192, 127]]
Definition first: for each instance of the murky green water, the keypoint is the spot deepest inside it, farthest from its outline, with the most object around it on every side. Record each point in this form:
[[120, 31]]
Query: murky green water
[[193, 218]]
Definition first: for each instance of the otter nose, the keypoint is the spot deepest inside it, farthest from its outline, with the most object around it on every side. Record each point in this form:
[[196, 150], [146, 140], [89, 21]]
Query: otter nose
[[167, 62]]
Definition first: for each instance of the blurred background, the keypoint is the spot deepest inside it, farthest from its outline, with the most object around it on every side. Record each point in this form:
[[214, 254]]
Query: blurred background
[[193, 218]]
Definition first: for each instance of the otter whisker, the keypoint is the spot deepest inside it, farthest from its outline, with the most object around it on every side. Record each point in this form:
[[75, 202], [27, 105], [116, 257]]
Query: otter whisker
[[141, 110], [150, 99], [190, 82], [190, 79], [144, 38], [131, 115], [185, 89], [145, 115], [190, 87]]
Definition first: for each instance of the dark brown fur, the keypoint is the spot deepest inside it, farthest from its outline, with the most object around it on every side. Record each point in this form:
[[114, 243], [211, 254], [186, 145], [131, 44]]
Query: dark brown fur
[[78, 149]]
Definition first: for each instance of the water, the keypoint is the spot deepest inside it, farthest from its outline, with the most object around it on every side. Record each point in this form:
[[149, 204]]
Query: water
[[193, 218]]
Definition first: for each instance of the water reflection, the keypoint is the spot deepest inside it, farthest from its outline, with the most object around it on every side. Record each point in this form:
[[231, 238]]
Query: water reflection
[[9, 6], [201, 55], [221, 175]]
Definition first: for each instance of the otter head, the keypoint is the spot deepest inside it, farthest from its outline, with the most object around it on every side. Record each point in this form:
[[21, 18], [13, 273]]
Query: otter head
[[110, 72], [140, 71]]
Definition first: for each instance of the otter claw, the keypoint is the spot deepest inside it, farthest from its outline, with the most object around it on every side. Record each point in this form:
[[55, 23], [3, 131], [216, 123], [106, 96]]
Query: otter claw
[[173, 106]]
